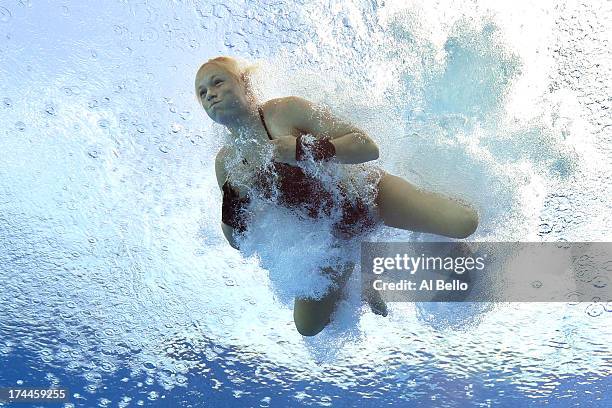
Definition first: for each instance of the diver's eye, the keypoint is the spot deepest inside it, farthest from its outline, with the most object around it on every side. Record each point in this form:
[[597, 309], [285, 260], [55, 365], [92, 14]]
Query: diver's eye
[[202, 94], [218, 81]]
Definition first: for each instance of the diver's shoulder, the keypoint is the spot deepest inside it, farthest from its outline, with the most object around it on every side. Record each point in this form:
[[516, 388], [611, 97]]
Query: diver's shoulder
[[285, 109], [221, 154], [283, 104], [221, 159]]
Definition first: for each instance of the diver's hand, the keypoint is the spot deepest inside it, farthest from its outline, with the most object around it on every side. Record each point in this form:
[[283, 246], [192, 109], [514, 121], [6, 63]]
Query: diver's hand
[[284, 150], [376, 302]]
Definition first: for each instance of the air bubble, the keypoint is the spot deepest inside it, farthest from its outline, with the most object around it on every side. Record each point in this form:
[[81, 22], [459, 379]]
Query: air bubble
[[175, 128], [221, 11], [594, 309], [544, 229], [103, 123], [20, 126], [574, 298], [149, 34], [228, 42], [584, 260], [7, 102], [164, 148], [536, 284], [600, 281], [93, 376], [5, 15], [50, 109]]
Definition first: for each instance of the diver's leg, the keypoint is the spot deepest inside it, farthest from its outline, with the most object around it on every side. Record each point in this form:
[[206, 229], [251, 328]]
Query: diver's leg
[[402, 205], [312, 315]]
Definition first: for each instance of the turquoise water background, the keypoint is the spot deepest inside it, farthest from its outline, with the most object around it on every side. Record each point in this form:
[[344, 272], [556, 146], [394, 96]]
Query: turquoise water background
[[118, 283]]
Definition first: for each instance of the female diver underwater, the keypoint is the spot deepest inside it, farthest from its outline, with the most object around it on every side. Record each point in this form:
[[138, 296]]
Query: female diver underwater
[[224, 90]]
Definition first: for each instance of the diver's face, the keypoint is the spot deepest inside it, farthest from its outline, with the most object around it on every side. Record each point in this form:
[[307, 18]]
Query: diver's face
[[221, 94]]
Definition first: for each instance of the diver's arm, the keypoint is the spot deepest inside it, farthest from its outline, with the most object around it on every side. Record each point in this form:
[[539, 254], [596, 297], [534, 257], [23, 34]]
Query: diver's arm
[[354, 148], [352, 144], [221, 175], [229, 235]]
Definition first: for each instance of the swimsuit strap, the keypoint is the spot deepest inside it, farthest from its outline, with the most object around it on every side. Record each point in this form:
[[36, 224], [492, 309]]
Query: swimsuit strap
[[263, 121], [261, 116]]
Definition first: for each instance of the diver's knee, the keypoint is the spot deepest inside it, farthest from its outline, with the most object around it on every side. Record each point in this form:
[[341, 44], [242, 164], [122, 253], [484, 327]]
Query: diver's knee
[[308, 320], [308, 325], [309, 328]]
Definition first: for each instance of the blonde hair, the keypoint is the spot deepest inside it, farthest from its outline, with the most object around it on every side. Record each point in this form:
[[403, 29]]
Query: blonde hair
[[240, 69]]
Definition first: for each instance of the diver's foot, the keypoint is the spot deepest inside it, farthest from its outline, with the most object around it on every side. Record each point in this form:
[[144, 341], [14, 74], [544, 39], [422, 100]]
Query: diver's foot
[[461, 249], [376, 302]]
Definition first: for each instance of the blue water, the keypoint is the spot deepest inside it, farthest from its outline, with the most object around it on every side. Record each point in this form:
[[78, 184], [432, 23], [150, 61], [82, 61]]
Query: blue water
[[210, 387], [117, 281]]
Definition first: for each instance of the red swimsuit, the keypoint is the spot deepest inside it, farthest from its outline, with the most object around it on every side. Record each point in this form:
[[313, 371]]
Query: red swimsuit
[[296, 189]]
